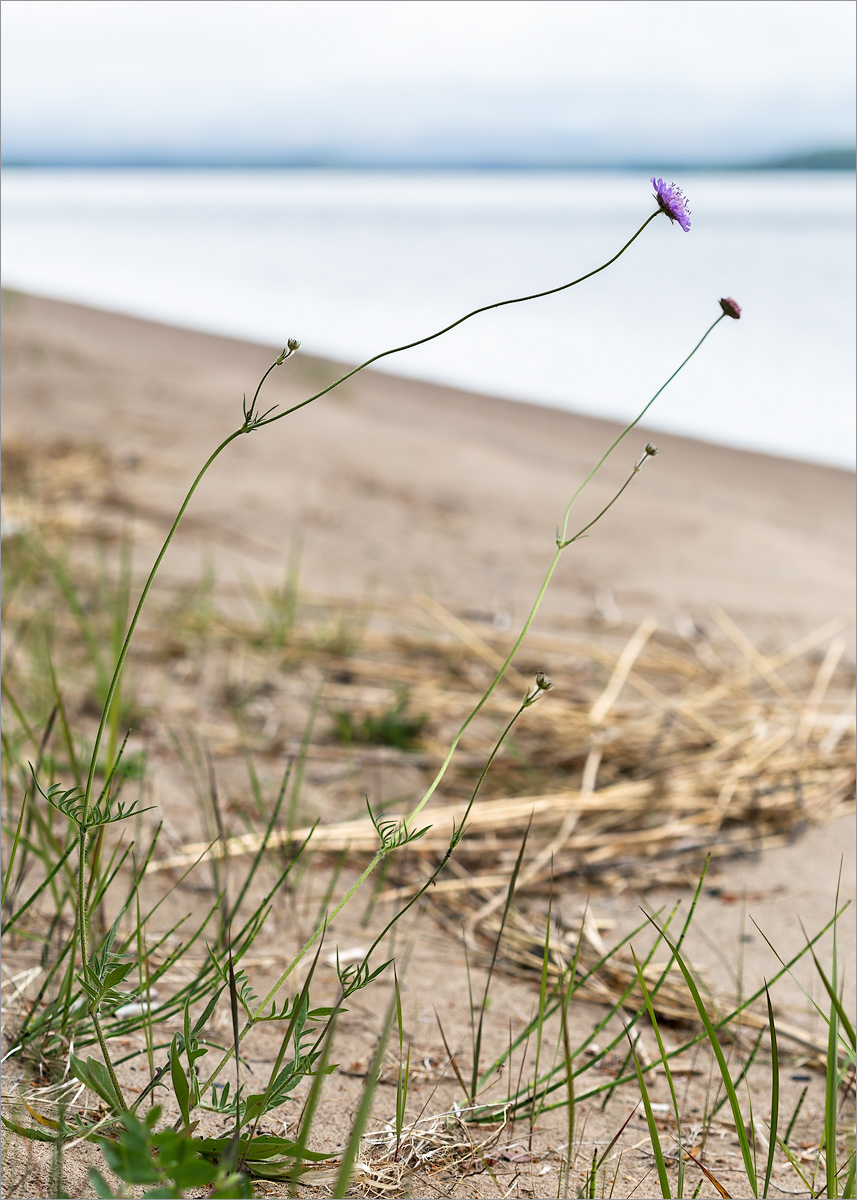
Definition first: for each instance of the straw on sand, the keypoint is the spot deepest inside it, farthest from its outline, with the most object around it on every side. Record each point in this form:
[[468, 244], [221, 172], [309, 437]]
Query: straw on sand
[[661, 750]]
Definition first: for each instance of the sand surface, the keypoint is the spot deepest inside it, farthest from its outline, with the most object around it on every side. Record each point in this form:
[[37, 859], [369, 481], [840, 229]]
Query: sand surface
[[399, 484], [391, 486]]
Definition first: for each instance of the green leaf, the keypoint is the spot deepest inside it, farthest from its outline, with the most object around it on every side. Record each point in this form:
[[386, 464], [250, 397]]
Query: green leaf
[[201, 1021], [775, 1095], [234, 1187], [837, 1003], [34, 1135], [180, 1083], [258, 1149], [654, 1137], [100, 1185], [131, 1163], [94, 1074], [116, 973]]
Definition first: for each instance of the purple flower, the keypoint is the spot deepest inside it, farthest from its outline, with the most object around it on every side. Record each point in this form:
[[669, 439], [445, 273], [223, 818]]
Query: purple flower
[[730, 308], [672, 202]]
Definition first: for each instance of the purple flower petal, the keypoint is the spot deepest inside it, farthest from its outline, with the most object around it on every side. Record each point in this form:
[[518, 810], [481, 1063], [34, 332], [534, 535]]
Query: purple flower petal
[[672, 202], [731, 308]]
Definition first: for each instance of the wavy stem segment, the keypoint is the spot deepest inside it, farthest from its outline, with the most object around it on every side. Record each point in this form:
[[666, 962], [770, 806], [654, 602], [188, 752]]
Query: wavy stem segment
[[563, 287], [252, 422]]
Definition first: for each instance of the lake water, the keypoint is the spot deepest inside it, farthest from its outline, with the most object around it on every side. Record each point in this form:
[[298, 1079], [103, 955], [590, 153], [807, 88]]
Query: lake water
[[355, 262]]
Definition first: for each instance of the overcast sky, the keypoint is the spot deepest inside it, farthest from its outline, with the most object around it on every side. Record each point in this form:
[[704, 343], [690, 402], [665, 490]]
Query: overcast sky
[[594, 80]]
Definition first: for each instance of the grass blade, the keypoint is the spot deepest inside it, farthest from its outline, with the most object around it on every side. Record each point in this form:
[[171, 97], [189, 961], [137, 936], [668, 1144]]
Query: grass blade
[[775, 1095], [665, 1062], [362, 1116], [746, 1152], [657, 1149]]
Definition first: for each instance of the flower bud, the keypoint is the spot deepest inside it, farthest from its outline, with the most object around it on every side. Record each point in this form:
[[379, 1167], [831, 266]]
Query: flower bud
[[731, 309], [294, 343], [543, 684]]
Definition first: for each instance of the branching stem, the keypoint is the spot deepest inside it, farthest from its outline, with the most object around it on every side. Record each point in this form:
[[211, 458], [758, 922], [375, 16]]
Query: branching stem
[[562, 543], [253, 421]]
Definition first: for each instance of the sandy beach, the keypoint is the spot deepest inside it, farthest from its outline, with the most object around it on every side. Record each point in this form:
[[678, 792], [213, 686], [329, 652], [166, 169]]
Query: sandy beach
[[391, 487], [396, 484]]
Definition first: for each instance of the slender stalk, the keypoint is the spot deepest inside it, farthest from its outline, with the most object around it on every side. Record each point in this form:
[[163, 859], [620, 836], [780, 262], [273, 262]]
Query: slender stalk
[[123, 653], [628, 428], [93, 762], [252, 421], [475, 313], [382, 853], [562, 542]]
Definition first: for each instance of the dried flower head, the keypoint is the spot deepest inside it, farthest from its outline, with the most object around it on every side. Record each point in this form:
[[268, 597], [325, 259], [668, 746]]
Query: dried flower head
[[672, 202], [731, 308]]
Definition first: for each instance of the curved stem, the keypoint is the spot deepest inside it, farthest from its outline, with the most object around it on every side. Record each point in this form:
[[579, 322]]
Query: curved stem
[[562, 542], [628, 428], [252, 421], [581, 532], [84, 952], [102, 1041], [484, 308], [123, 653]]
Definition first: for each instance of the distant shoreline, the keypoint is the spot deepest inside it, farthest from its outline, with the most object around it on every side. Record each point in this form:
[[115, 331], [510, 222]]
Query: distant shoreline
[[832, 159]]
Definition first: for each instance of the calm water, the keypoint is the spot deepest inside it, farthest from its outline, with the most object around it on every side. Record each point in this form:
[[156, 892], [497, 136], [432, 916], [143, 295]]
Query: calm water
[[354, 262]]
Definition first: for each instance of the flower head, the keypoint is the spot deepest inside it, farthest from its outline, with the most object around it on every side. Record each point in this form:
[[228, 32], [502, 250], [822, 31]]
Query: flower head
[[672, 202], [731, 309]]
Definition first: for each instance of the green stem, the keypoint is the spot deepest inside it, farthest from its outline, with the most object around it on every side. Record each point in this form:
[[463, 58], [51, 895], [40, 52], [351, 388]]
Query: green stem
[[84, 952], [476, 311], [93, 763], [123, 653], [581, 532], [628, 428], [562, 543], [102, 1041], [263, 1004]]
